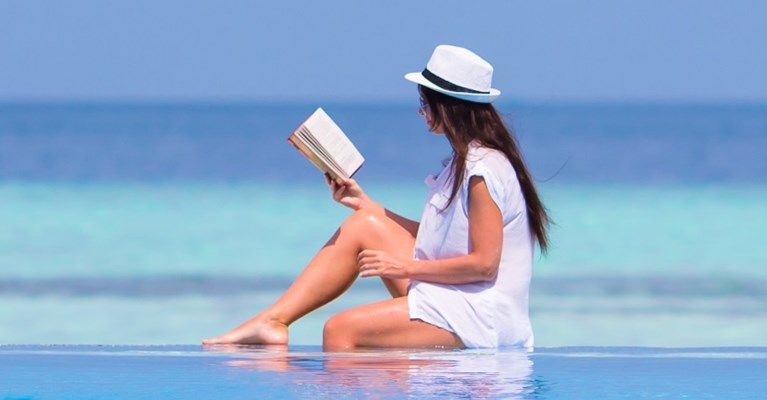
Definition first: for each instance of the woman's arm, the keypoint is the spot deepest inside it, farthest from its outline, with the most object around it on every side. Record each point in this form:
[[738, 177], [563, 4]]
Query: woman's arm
[[351, 195], [481, 264]]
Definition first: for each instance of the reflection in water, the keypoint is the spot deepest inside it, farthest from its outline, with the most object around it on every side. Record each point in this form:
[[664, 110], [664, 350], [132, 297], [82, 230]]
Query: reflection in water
[[394, 374]]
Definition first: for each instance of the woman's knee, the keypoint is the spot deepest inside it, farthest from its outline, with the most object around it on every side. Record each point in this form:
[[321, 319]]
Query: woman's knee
[[338, 333], [363, 221], [374, 229]]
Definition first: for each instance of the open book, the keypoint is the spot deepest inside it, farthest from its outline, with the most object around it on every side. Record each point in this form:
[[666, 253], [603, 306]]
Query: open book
[[323, 143]]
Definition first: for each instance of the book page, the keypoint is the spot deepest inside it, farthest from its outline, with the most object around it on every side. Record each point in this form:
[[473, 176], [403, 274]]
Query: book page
[[333, 143], [303, 140], [313, 157]]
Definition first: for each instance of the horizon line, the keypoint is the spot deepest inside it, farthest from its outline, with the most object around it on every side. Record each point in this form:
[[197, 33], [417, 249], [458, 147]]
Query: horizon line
[[217, 101]]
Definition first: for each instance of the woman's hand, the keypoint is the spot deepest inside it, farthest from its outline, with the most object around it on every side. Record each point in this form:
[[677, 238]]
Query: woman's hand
[[380, 263], [349, 193]]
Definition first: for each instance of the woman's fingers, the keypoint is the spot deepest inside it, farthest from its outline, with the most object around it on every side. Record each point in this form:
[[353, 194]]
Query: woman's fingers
[[365, 258], [380, 263], [368, 254], [347, 182], [368, 262], [338, 191], [377, 263]]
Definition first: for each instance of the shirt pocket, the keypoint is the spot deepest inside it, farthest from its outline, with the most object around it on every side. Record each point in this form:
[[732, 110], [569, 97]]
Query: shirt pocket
[[434, 225], [439, 201]]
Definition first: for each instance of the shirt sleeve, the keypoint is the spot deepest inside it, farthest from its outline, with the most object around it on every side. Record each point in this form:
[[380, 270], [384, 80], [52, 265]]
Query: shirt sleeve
[[492, 181]]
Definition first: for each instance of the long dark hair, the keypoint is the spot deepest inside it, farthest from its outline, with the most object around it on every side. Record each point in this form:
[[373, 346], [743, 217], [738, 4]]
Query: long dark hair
[[464, 122]]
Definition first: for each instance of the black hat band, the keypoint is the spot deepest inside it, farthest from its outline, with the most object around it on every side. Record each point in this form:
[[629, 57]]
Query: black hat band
[[449, 86]]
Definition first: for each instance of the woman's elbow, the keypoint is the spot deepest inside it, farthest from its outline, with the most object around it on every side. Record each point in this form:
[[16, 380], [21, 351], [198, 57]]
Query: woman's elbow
[[488, 270]]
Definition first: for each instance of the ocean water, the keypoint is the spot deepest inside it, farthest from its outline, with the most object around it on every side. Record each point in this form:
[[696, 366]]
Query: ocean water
[[156, 224], [188, 372]]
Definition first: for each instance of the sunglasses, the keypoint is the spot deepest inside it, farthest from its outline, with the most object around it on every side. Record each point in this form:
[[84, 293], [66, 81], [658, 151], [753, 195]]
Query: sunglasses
[[423, 104]]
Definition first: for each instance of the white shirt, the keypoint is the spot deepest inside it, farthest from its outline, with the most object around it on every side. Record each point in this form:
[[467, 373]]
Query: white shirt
[[488, 313]]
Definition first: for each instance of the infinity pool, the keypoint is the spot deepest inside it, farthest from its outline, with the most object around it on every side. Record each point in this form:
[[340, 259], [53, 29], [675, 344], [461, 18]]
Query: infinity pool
[[171, 372]]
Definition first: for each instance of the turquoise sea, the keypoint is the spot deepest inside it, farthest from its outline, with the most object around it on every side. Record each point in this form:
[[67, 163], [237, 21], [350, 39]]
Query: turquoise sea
[[151, 224]]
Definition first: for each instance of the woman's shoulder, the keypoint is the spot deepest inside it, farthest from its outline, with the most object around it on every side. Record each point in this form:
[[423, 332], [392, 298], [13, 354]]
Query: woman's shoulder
[[480, 156], [495, 168]]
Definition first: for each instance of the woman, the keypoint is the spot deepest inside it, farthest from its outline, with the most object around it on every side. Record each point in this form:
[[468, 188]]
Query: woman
[[460, 277]]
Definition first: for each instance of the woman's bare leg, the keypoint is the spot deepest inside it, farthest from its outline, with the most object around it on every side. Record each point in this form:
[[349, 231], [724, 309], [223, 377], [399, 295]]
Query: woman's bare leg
[[331, 272], [384, 324]]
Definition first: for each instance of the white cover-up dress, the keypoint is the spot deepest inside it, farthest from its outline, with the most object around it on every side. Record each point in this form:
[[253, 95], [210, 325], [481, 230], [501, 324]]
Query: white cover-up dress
[[484, 314]]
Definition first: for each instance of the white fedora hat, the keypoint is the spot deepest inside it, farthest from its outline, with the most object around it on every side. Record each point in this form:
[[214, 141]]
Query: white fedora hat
[[457, 72]]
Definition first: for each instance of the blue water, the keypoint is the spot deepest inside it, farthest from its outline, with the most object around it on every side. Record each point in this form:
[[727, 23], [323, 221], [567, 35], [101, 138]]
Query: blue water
[[184, 372], [167, 223], [647, 144]]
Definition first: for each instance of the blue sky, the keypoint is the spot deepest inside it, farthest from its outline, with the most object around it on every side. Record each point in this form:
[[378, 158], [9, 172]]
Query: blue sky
[[608, 50]]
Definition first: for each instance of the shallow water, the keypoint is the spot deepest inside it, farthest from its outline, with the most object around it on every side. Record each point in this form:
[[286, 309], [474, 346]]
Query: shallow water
[[155, 263], [170, 372]]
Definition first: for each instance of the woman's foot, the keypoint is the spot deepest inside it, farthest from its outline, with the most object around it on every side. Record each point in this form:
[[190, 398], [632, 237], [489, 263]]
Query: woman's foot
[[258, 330]]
